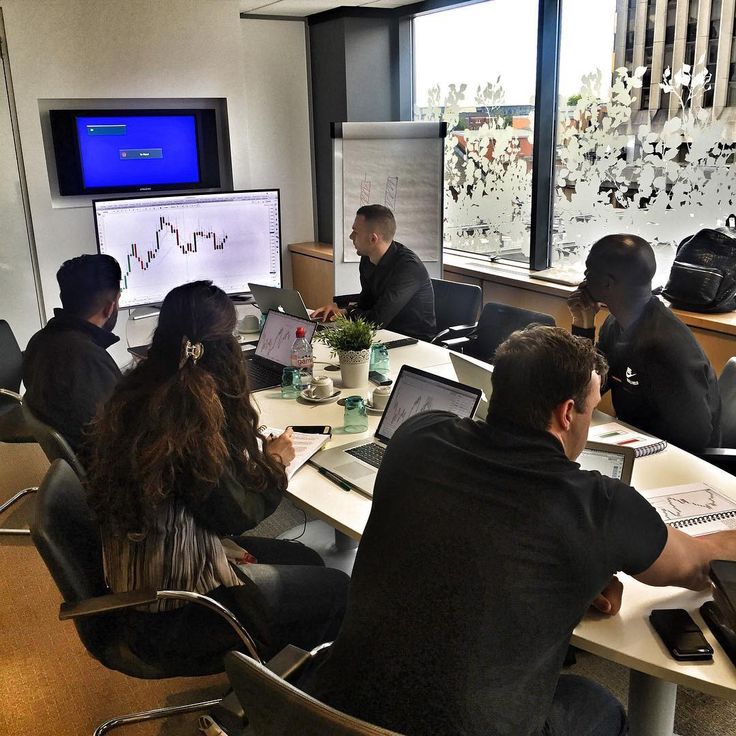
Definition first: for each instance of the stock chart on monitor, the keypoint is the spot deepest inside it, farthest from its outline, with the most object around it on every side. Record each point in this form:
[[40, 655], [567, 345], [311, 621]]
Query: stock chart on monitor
[[161, 242]]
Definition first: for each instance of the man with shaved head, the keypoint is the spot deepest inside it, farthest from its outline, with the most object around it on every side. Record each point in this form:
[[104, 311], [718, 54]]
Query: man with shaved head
[[660, 379]]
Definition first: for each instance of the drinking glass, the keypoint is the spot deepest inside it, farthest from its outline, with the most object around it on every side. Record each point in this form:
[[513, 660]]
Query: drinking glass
[[379, 358], [356, 416], [291, 383]]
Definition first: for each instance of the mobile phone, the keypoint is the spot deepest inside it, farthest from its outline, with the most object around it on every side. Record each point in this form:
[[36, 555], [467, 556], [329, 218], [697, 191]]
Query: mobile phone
[[380, 379], [680, 634], [313, 429]]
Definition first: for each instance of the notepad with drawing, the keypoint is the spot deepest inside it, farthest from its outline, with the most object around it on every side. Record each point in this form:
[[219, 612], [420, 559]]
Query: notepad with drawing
[[305, 445], [696, 508], [615, 433]]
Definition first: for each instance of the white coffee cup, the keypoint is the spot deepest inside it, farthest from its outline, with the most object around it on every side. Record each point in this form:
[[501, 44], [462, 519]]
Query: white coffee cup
[[380, 395], [321, 387], [249, 323]]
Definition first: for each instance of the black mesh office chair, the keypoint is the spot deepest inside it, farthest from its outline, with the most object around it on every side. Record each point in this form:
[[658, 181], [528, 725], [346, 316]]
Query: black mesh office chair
[[456, 308], [496, 323], [67, 537], [277, 708], [725, 455], [13, 428]]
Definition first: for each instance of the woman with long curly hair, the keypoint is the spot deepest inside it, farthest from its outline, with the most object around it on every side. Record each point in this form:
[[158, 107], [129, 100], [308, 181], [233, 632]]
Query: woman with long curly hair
[[178, 466]]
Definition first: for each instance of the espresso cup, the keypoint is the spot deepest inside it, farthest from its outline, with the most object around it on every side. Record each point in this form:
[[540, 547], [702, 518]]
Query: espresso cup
[[379, 398], [249, 323], [321, 387]]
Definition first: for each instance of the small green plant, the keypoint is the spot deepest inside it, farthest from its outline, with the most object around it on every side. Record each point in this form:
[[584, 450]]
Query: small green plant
[[348, 334]]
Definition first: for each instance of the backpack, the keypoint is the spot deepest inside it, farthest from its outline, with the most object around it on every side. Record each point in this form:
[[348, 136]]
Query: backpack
[[703, 276]]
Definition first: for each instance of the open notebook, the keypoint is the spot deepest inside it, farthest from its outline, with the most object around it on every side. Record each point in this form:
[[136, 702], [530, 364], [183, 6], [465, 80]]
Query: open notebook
[[305, 445], [616, 433]]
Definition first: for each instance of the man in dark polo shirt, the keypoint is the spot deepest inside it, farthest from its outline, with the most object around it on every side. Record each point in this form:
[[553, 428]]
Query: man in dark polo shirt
[[67, 371], [485, 546], [396, 291], [660, 379]]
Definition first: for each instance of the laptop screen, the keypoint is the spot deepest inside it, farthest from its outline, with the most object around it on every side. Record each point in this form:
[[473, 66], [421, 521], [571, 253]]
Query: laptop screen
[[416, 391], [608, 462], [278, 335]]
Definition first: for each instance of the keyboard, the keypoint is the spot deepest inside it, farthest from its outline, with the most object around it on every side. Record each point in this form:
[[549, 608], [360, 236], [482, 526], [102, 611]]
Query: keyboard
[[401, 342], [261, 376], [370, 453]]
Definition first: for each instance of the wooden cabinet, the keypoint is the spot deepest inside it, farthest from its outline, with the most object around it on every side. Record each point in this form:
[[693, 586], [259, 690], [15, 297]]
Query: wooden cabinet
[[312, 272]]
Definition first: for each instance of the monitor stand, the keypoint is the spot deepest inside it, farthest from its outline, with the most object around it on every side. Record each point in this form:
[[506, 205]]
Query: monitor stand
[[143, 312]]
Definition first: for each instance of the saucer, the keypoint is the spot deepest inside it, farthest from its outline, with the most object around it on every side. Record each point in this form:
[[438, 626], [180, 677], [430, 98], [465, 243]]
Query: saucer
[[321, 400], [373, 409], [249, 332]]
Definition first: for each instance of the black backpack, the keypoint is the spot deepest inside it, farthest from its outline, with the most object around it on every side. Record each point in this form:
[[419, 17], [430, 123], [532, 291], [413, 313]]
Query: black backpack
[[703, 276]]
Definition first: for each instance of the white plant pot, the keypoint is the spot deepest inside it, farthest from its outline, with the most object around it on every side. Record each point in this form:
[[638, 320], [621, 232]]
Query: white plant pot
[[354, 366]]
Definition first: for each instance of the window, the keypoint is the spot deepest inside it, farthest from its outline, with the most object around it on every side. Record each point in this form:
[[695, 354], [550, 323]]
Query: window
[[475, 68]]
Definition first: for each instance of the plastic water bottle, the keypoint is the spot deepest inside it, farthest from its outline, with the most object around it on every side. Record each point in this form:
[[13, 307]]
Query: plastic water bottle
[[301, 357]]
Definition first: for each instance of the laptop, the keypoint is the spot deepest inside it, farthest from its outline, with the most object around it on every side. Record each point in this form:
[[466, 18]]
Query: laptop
[[273, 351], [414, 391], [288, 301], [614, 461], [474, 372]]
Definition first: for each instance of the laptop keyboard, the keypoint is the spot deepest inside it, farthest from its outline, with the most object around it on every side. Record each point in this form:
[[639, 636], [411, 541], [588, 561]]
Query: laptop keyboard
[[261, 376], [370, 453]]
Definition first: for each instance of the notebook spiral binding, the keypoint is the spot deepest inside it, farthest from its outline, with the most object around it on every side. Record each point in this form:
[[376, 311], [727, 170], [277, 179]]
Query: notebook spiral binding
[[703, 519], [651, 449]]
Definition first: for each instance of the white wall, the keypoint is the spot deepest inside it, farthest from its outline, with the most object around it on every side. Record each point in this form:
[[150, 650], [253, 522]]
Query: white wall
[[159, 48]]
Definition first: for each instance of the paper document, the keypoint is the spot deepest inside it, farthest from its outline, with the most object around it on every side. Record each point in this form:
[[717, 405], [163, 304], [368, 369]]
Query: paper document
[[305, 445], [615, 433], [696, 508]]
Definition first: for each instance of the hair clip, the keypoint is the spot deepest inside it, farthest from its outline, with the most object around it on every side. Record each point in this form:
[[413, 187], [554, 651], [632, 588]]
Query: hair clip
[[193, 350]]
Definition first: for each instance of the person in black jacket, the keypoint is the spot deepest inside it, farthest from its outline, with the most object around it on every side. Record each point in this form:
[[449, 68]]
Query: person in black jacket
[[396, 291], [67, 371], [660, 379], [179, 471]]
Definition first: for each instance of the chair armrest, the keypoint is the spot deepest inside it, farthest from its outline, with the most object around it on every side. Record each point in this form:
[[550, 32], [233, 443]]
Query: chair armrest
[[288, 661], [453, 332], [458, 344], [721, 457], [343, 300], [120, 601], [11, 395]]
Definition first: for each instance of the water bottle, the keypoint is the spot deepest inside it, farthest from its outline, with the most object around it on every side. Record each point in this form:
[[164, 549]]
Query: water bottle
[[301, 357]]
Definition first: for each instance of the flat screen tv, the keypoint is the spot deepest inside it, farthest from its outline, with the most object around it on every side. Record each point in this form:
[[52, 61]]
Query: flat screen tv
[[106, 151], [232, 238]]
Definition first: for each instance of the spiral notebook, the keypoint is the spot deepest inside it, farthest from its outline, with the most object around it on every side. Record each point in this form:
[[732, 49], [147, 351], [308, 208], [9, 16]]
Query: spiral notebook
[[696, 508], [615, 433]]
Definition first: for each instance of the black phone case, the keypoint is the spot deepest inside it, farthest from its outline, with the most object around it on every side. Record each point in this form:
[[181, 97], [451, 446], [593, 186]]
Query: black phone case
[[681, 635]]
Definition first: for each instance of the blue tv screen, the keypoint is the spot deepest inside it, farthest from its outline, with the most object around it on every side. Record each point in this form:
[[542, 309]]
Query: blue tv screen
[[135, 150]]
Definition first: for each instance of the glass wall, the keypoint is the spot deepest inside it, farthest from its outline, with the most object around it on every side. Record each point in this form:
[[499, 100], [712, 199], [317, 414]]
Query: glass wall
[[646, 137], [475, 68]]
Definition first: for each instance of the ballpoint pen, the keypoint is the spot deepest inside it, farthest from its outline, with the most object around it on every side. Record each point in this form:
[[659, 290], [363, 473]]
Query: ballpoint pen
[[335, 479]]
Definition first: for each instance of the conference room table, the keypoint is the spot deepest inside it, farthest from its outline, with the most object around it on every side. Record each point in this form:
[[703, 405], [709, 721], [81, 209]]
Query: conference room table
[[627, 638]]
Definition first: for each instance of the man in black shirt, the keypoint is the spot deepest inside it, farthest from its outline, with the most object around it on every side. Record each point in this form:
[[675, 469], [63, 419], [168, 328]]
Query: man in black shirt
[[485, 546], [660, 379], [67, 371], [396, 291]]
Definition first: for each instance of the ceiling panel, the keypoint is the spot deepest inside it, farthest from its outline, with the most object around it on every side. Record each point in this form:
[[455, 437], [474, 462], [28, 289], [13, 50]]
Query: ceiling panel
[[301, 8]]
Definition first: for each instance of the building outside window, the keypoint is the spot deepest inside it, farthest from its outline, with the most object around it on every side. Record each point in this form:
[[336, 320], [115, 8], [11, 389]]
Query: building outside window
[[646, 122]]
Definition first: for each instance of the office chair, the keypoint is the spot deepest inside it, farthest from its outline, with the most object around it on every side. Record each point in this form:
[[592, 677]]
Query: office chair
[[13, 428], [456, 308], [53, 444], [496, 323], [277, 708], [67, 537], [724, 456]]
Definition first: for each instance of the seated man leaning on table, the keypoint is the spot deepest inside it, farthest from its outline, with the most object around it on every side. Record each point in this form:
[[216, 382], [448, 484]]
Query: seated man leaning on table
[[660, 379], [396, 291], [485, 546], [67, 371]]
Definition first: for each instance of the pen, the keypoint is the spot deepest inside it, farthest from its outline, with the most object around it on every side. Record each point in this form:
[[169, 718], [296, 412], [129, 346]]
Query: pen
[[335, 479]]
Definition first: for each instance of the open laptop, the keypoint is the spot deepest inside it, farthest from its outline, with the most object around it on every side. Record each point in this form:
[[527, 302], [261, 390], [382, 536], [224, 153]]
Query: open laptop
[[614, 461], [288, 301], [273, 351], [414, 391], [477, 373]]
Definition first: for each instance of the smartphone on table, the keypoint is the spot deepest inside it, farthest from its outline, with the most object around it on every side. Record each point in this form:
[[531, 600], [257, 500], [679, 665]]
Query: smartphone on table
[[312, 428], [380, 379], [680, 634]]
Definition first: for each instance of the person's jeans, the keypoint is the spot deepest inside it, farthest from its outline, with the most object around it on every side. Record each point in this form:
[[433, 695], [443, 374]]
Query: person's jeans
[[581, 707]]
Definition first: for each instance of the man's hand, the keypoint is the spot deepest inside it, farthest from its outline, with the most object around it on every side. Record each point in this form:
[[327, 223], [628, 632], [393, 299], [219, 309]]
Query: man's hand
[[609, 599], [582, 307], [328, 313], [281, 447]]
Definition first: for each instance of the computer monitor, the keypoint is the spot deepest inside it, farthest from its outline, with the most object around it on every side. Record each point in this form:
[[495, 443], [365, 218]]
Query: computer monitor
[[230, 238]]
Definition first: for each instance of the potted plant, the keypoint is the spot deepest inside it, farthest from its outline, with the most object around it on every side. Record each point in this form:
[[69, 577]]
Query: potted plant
[[350, 340]]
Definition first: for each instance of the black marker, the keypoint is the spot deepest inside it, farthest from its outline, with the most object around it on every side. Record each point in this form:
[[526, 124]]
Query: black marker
[[335, 479]]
